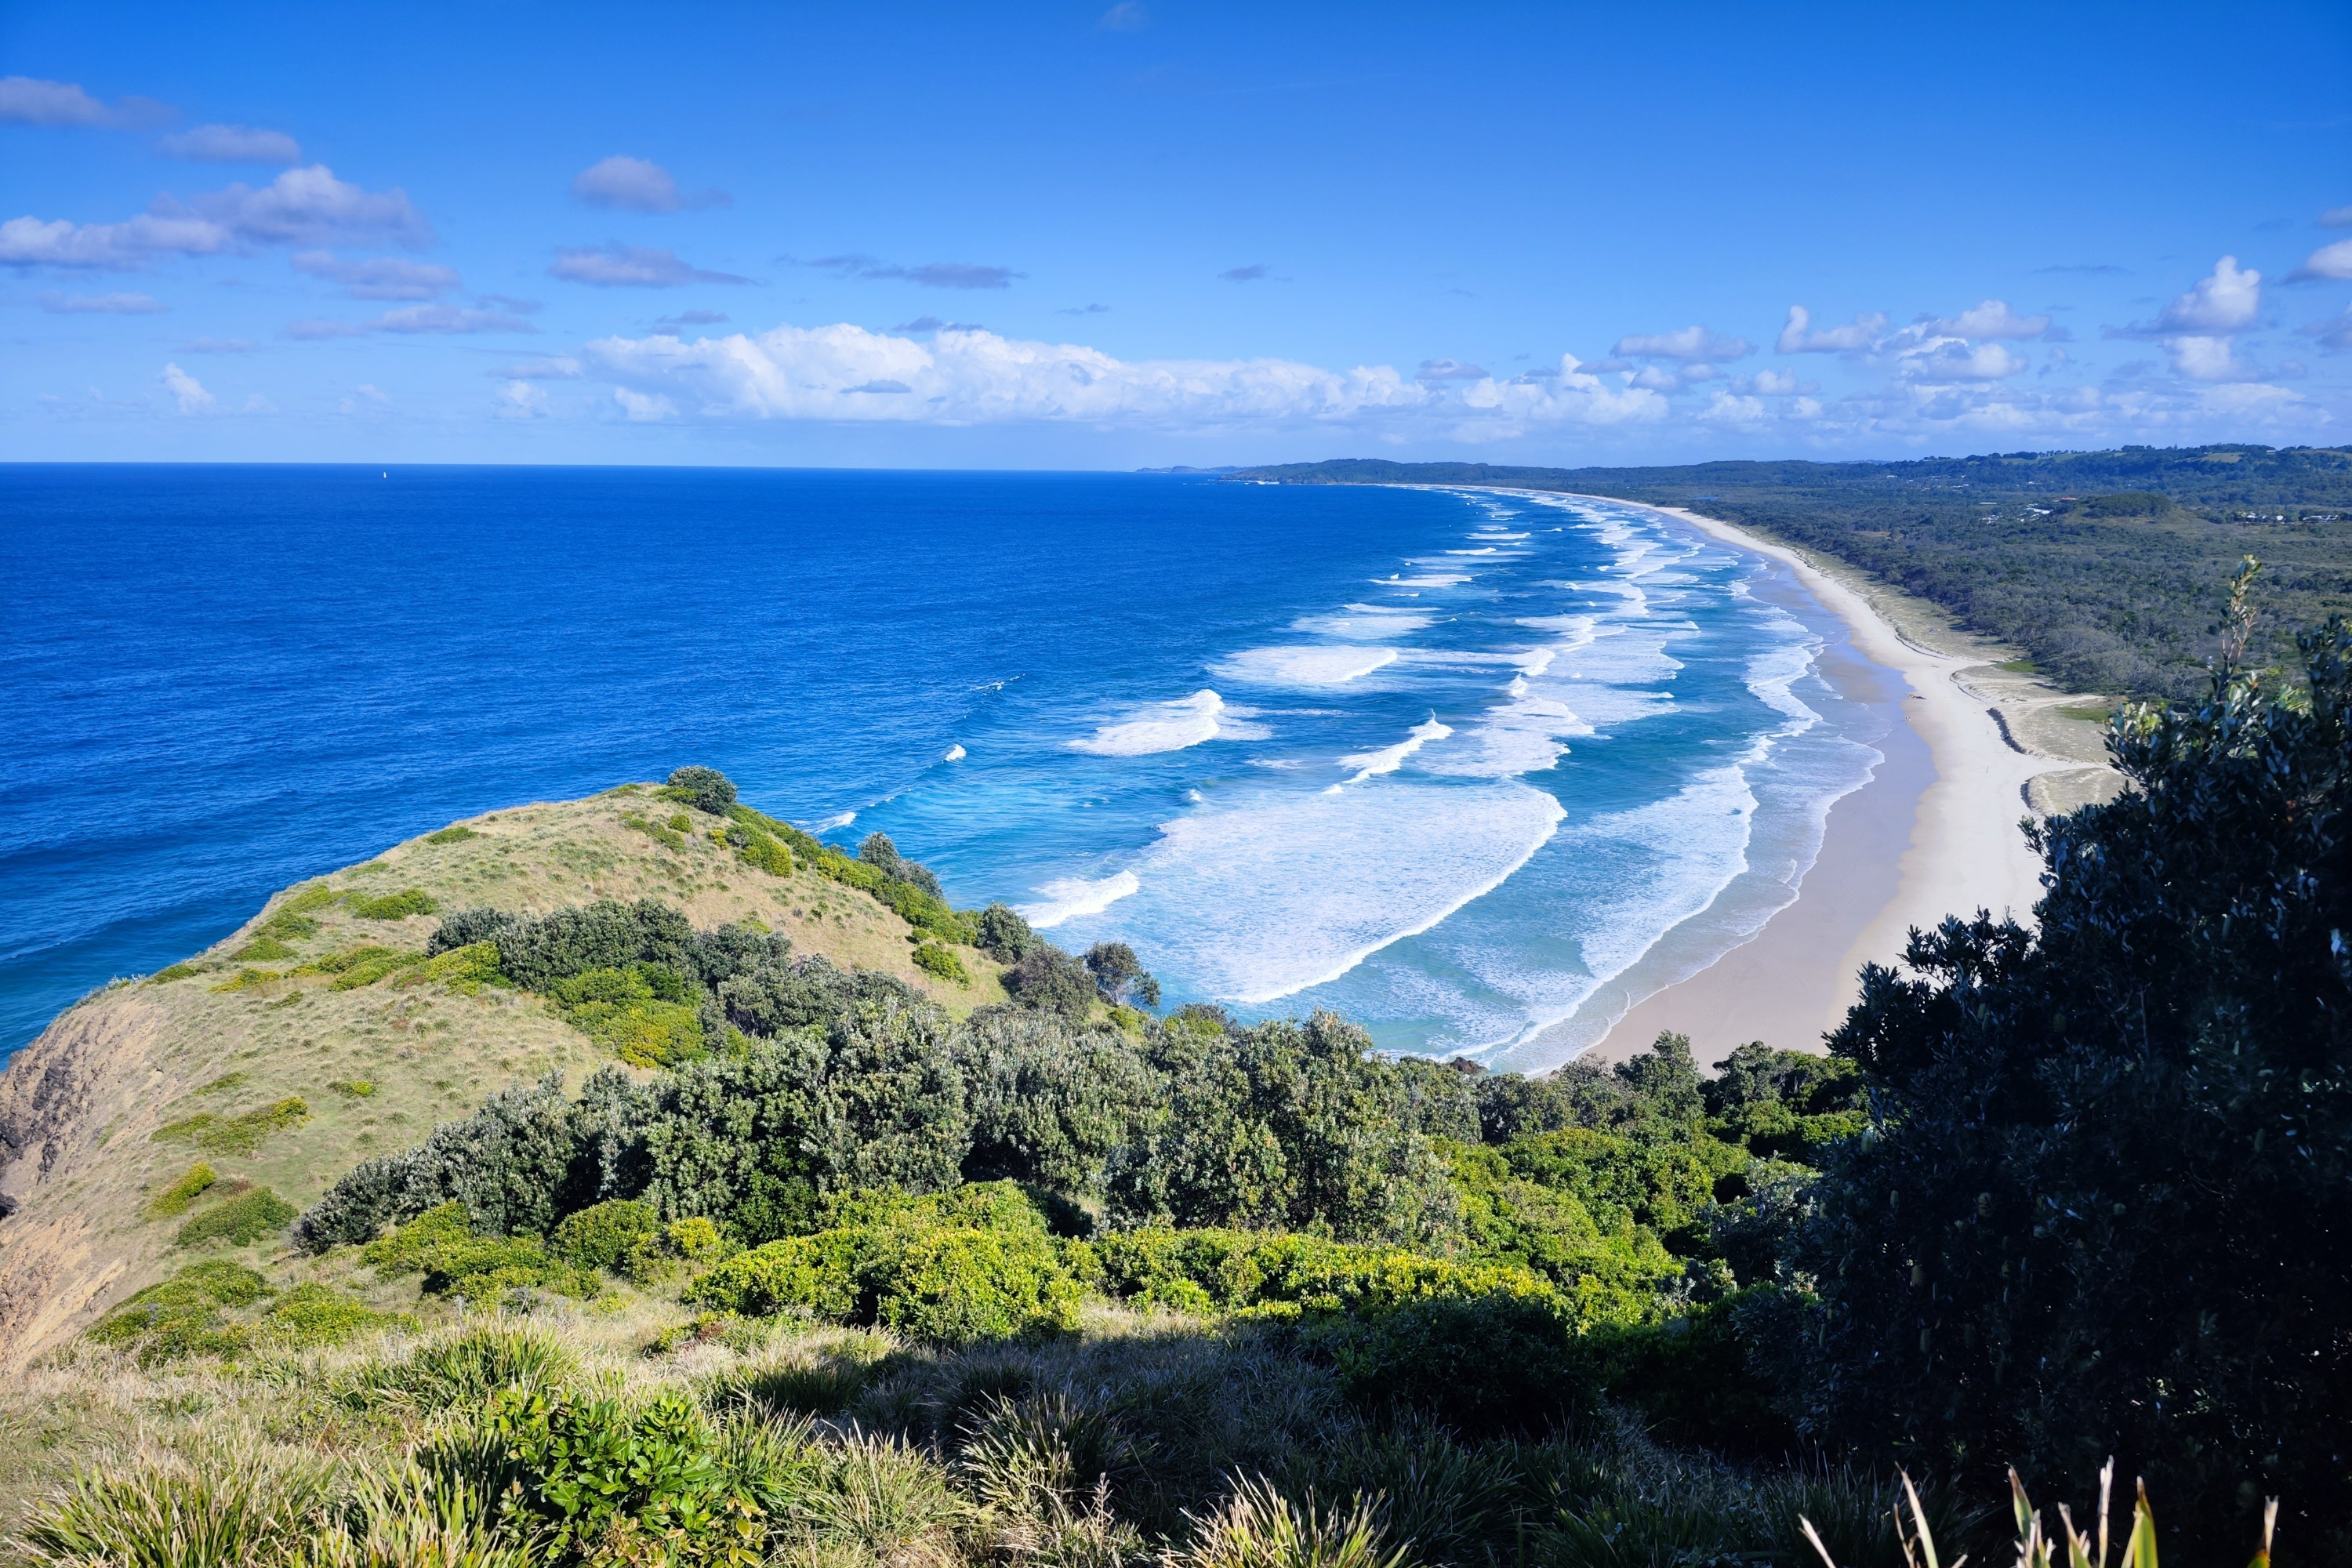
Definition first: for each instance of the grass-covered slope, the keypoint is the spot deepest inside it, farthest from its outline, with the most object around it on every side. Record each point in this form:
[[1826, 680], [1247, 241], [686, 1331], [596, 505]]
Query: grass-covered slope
[[310, 1040]]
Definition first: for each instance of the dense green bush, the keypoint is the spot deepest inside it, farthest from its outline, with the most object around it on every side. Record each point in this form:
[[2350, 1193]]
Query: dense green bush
[[2106, 1192], [391, 905], [641, 1013], [457, 1260], [1281, 1275], [978, 1264], [1001, 932], [312, 1315], [934, 959], [1494, 1363], [183, 1316], [1120, 976], [705, 789], [177, 1198], [601, 1234], [240, 1221], [1051, 981], [1049, 1104], [240, 1135]]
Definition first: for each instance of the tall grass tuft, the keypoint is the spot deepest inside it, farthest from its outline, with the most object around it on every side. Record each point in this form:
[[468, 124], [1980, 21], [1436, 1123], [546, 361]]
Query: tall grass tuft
[[220, 1506], [1260, 1528], [414, 1519], [462, 1369]]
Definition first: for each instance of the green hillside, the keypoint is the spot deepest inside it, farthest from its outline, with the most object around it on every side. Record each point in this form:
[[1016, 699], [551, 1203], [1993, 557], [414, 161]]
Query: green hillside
[[2106, 567]]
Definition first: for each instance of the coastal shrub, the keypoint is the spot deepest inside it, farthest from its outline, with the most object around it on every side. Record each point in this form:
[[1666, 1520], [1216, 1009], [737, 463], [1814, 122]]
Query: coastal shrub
[[233, 1135], [1051, 981], [705, 789], [669, 838], [1050, 1105], [464, 969], [933, 959], [246, 980], [183, 1316], [240, 1221], [391, 905], [456, 832], [980, 1263], [2098, 1200], [262, 950], [311, 1316], [1001, 932], [177, 1198], [455, 1260], [169, 972], [461, 1369], [1119, 977], [607, 935], [352, 1088], [601, 1234], [1272, 1273], [358, 967], [468, 928], [641, 1014]]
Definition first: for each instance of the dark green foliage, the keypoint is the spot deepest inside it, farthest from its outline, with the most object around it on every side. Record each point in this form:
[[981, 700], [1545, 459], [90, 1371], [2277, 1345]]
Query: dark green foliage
[[1050, 1105], [932, 958], [601, 1234], [705, 789], [1119, 977], [592, 1477], [1283, 1276], [463, 1370], [645, 1014], [456, 834], [2116, 592], [1691, 1378], [1285, 1125], [240, 1221], [877, 851], [1786, 1104], [467, 927], [2105, 1201], [1052, 980], [313, 1315], [1003, 935], [979, 1263], [457, 1260], [391, 905], [1496, 1363], [607, 935]]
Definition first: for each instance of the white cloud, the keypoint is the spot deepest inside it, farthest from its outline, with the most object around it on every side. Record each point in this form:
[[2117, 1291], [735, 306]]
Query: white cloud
[[300, 207], [231, 145], [1124, 17], [2226, 301], [1939, 360], [1798, 337], [521, 400], [1449, 370], [970, 376], [29, 100], [2337, 217], [1688, 344], [377, 276], [186, 390], [637, 185], [2202, 358], [2331, 263], [1993, 320], [1772, 384], [103, 305], [631, 267]]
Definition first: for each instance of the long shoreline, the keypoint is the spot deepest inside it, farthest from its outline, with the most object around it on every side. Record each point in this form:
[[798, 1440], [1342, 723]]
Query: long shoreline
[[1935, 832]]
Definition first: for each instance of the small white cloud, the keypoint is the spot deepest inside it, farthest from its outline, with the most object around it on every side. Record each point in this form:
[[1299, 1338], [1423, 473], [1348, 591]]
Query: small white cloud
[[631, 267], [103, 305], [186, 390], [30, 101], [1945, 360], [1687, 343], [377, 276], [1124, 17], [638, 184], [1993, 320], [2329, 263], [644, 407], [1772, 384], [2225, 301], [301, 207], [1799, 336], [521, 400], [231, 145]]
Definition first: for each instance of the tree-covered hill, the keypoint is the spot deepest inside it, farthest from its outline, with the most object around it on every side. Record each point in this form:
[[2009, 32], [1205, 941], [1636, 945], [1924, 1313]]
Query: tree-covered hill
[[2104, 566]]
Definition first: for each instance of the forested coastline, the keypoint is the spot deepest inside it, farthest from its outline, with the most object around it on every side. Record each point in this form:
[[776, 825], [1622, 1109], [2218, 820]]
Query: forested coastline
[[2106, 567]]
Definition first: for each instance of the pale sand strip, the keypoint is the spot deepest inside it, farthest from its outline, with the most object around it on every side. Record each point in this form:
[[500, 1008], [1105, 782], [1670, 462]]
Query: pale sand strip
[[1963, 851]]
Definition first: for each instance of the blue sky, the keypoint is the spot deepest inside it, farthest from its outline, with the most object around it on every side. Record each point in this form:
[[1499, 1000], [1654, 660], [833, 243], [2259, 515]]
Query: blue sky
[[1161, 232]]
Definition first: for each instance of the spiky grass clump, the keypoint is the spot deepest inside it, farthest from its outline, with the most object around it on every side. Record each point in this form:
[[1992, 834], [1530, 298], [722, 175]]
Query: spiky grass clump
[[1258, 1527], [218, 1506]]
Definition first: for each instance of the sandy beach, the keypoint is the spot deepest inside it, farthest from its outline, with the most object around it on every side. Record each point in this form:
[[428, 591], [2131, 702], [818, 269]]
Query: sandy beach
[[1935, 832]]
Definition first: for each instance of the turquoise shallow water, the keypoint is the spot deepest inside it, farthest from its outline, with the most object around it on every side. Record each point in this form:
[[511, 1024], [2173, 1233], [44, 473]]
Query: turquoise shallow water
[[1444, 761]]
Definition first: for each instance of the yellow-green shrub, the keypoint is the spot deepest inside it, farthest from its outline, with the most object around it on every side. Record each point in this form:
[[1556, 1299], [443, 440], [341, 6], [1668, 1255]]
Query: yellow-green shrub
[[241, 1221], [176, 1198], [233, 1135]]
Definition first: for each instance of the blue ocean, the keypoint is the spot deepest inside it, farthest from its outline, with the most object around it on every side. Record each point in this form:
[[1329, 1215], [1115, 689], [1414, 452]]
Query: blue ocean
[[1445, 761]]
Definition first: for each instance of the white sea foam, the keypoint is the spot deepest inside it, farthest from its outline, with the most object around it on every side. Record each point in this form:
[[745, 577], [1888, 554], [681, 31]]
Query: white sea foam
[[1303, 666], [1072, 897], [952, 754], [840, 819], [1367, 624], [1255, 900], [1388, 759], [1169, 727], [1430, 580]]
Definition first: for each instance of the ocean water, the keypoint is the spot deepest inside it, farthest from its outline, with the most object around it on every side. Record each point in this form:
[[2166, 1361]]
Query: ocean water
[[1445, 761]]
